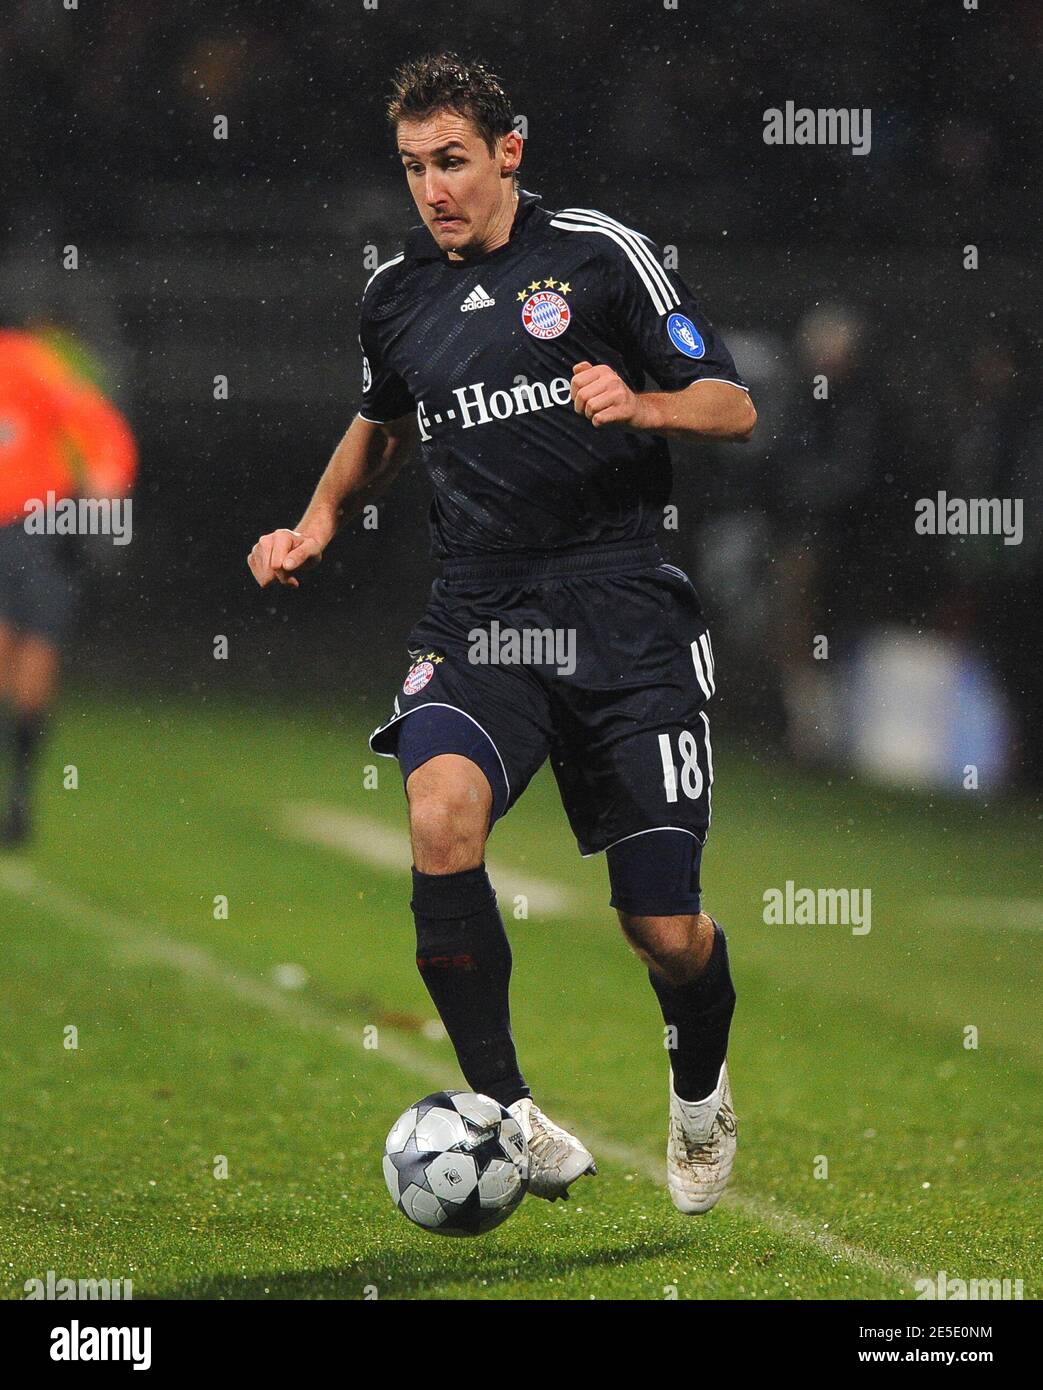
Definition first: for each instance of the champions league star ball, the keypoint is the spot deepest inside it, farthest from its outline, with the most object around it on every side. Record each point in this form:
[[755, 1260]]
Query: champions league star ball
[[456, 1163]]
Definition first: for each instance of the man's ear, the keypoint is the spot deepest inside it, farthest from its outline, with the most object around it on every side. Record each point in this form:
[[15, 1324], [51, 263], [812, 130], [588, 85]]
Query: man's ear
[[511, 148]]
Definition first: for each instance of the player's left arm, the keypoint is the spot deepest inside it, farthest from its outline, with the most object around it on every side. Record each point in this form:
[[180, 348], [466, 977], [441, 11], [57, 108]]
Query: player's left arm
[[704, 409], [651, 318]]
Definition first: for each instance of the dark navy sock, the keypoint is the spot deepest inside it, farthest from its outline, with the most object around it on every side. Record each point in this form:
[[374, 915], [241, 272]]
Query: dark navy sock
[[701, 1012], [464, 959]]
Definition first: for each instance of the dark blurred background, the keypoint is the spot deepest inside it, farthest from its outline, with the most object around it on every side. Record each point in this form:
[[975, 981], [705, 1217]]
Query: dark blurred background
[[246, 257]]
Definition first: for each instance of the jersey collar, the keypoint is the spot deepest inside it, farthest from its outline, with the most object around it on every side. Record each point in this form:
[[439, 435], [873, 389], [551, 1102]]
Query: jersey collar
[[420, 245]]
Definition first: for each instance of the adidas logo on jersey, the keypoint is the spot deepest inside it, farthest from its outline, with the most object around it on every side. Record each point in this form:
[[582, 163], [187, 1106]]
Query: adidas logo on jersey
[[477, 299]]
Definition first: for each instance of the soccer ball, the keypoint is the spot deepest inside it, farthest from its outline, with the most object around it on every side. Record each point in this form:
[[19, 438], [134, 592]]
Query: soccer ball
[[456, 1163]]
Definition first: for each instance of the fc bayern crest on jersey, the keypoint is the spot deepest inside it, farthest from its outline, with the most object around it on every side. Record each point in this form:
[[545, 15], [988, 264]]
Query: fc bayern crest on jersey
[[421, 671], [418, 677], [545, 314]]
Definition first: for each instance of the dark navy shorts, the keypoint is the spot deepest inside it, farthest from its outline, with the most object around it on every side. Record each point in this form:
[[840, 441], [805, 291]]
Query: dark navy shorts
[[39, 582], [598, 659]]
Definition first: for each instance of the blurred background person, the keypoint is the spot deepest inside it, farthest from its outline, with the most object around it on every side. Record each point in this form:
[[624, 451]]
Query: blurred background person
[[59, 438], [831, 457]]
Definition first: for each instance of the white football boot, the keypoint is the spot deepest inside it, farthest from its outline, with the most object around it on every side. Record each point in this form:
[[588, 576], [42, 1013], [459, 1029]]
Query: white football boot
[[701, 1148], [556, 1158]]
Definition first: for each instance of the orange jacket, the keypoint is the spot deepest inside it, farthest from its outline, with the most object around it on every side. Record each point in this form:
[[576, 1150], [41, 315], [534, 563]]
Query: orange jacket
[[57, 434]]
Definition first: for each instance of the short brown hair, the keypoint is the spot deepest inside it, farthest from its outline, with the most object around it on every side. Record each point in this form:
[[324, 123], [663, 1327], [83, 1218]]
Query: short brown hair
[[441, 81]]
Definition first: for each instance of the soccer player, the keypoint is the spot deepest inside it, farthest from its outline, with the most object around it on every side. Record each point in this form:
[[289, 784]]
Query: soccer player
[[58, 435], [515, 341]]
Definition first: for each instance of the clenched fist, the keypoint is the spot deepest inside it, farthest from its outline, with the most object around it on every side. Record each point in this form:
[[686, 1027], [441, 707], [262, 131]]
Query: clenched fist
[[602, 396], [279, 554]]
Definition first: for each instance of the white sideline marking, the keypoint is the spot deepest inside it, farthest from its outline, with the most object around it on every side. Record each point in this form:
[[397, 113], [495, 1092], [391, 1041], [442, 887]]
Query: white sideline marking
[[1012, 914], [136, 941], [385, 847]]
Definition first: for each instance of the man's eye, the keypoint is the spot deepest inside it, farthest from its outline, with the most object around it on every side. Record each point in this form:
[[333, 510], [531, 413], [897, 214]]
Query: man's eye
[[453, 163]]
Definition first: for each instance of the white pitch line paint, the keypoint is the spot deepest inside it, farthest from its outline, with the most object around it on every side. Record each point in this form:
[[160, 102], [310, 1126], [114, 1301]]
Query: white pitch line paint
[[386, 847], [767, 1211], [137, 941], [1011, 914]]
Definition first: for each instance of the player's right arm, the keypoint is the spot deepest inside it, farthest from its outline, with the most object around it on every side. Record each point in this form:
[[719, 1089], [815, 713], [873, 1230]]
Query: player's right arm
[[364, 463]]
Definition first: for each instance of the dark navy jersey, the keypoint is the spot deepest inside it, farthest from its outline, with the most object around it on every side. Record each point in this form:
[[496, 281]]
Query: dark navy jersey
[[483, 351]]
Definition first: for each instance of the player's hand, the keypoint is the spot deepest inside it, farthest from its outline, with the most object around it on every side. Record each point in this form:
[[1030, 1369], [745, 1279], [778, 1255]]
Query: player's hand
[[602, 396], [280, 555]]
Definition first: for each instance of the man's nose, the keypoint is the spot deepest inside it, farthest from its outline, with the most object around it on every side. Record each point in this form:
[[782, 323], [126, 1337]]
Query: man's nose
[[434, 193]]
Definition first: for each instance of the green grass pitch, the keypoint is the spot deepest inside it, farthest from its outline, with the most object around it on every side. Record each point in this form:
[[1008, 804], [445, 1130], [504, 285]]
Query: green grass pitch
[[844, 1048]]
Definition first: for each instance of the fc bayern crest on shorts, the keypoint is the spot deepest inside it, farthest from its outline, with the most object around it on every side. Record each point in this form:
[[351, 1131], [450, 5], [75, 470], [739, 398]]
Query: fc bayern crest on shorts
[[418, 677], [545, 314]]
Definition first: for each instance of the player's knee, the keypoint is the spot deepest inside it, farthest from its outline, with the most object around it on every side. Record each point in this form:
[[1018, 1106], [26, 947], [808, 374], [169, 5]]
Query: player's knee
[[8, 642], [449, 803], [34, 674], [444, 842], [678, 947]]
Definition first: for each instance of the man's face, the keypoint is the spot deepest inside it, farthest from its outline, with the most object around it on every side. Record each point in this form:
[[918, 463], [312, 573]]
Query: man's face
[[457, 185]]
